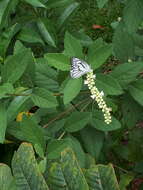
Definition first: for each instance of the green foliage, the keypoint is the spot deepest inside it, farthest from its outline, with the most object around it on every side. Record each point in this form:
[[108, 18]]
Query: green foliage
[[41, 104]]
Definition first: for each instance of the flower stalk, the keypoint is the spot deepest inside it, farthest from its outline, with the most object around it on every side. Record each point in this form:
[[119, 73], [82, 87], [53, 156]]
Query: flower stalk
[[98, 96]]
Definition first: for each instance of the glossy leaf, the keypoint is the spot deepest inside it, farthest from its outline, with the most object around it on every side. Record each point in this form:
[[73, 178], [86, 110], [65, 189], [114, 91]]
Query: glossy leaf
[[101, 3]]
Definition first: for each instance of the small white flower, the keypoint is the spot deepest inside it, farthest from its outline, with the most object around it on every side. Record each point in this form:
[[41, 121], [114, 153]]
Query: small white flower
[[98, 96]]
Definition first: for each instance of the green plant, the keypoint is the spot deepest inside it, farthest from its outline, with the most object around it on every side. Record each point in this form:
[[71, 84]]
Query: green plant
[[40, 103]]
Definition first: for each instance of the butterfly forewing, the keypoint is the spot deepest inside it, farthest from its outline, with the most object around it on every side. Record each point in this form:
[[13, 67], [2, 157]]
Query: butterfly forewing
[[79, 68]]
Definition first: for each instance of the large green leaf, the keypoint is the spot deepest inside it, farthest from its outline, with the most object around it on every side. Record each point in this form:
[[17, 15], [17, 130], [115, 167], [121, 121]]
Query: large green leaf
[[3, 122], [43, 98], [58, 60], [29, 127], [71, 90], [100, 177], [133, 14], [136, 90], [99, 56], [15, 66], [93, 141], [46, 77], [72, 172], [77, 120], [72, 46], [123, 43], [7, 181], [26, 170], [67, 13], [99, 123], [127, 72], [47, 31], [108, 84], [35, 3]]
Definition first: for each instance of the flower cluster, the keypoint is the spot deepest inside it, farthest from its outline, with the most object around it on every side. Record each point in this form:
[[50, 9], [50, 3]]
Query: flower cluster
[[98, 96]]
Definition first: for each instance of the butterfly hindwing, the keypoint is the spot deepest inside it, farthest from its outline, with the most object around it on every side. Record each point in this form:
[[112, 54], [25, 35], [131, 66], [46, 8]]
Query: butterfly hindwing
[[78, 68]]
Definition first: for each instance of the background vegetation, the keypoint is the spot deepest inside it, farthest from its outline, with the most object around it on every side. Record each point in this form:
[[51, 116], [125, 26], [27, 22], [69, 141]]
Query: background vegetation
[[52, 134]]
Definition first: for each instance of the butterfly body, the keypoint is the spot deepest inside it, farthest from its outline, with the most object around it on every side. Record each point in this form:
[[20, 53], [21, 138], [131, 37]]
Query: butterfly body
[[79, 67]]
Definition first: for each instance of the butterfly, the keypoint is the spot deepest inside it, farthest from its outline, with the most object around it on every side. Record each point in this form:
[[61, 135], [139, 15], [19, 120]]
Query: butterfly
[[79, 67]]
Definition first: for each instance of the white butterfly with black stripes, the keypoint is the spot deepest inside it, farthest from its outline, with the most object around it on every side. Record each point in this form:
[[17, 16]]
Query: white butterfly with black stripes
[[79, 67]]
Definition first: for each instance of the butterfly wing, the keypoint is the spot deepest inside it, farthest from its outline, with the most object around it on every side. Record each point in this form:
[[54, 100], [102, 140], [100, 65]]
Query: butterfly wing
[[79, 68]]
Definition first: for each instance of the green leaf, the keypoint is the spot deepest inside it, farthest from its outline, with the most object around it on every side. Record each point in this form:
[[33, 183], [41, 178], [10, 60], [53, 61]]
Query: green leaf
[[123, 43], [29, 127], [101, 177], [47, 31], [5, 89], [29, 35], [58, 60], [127, 72], [77, 120], [43, 98], [108, 84], [7, 181], [75, 145], [99, 123], [55, 147], [3, 123], [6, 37], [125, 180], [101, 3], [56, 179], [100, 55], [72, 46], [136, 91], [15, 106], [93, 141], [71, 90], [35, 3], [130, 110], [133, 15], [25, 167], [6, 8], [15, 66], [72, 172], [67, 13], [47, 80]]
